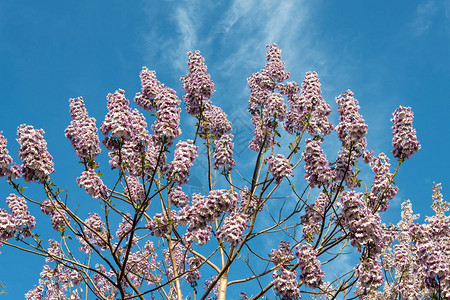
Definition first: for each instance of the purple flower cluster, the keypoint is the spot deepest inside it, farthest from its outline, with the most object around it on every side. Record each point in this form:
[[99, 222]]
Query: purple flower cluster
[[178, 197], [404, 139], [178, 169], [7, 226], [232, 229], [364, 227], [117, 124], [82, 131], [382, 189], [194, 263], [251, 202], [343, 170], [351, 129], [282, 256], [279, 167], [311, 272], [267, 106], [24, 221], [159, 224], [223, 154], [154, 95], [314, 216], [370, 276], [197, 85], [95, 233], [58, 216], [135, 190], [285, 284], [204, 210], [37, 163], [5, 158], [309, 111], [92, 183], [213, 121], [317, 170], [179, 256], [55, 282]]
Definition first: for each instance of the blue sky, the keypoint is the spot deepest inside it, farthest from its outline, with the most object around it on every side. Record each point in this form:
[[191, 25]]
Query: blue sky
[[389, 53]]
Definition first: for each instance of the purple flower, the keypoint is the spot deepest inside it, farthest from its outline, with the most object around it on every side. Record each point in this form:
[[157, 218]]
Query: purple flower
[[58, 216], [197, 85], [7, 226], [37, 163], [82, 131], [309, 111], [279, 167], [92, 183], [314, 216], [285, 284], [351, 129], [25, 222], [178, 169], [267, 106], [223, 154], [317, 170], [404, 139], [95, 231], [117, 124], [311, 274], [370, 276], [382, 189], [364, 227], [283, 255], [5, 158], [232, 229], [178, 197]]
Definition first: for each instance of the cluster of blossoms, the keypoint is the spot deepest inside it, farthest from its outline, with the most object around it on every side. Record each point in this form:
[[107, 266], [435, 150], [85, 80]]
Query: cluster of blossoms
[[141, 264], [382, 189], [314, 216], [7, 226], [199, 87], [267, 106], [309, 111], [24, 221], [223, 154], [5, 158], [95, 233], [82, 131], [364, 227], [351, 129], [249, 203], [19, 221], [56, 282], [285, 284], [37, 163], [58, 215], [134, 189], [232, 229], [279, 167], [204, 210], [317, 169], [178, 169], [178, 197], [311, 272], [370, 276], [404, 139], [159, 224], [92, 183], [282, 256]]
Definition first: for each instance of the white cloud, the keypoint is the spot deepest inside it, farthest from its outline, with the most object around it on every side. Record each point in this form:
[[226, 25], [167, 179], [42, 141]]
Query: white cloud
[[424, 17]]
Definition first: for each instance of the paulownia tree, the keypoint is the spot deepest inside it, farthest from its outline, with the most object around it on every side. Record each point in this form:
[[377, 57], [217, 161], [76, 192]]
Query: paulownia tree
[[153, 239]]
